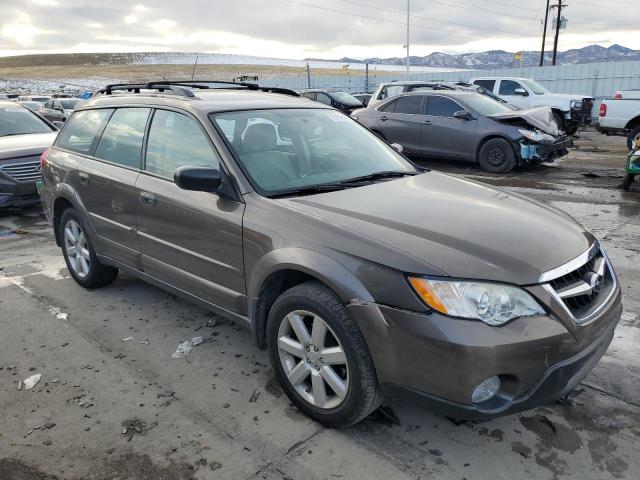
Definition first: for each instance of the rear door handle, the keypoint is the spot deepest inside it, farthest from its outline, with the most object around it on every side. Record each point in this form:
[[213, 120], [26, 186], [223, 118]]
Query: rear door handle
[[84, 177], [148, 199]]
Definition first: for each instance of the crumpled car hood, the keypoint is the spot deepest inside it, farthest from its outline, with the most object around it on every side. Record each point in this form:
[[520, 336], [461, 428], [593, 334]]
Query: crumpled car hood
[[538, 117]]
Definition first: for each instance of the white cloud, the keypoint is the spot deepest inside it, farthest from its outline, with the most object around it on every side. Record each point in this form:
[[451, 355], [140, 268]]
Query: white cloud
[[130, 19], [20, 30], [163, 25], [45, 3], [140, 8]]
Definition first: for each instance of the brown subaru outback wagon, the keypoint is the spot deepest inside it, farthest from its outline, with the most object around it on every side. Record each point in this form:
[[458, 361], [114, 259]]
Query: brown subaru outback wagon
[[363, 275]]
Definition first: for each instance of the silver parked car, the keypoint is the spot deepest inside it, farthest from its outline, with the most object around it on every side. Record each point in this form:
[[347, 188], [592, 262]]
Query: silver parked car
[[467, 126]]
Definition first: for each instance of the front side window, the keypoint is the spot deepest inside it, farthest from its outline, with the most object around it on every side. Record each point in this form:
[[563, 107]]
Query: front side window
[[409, 104], [17, 120], [442, 106], [121, 141], [319, 147], [176, 140], [508, 87], [82, 130]]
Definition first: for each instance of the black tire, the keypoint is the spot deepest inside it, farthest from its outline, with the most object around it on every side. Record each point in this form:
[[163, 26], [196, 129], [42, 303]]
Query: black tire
[[627, 181], [363, 395], [559, 120], [634, 134], [497, 156], [572, 129], [98, 275]]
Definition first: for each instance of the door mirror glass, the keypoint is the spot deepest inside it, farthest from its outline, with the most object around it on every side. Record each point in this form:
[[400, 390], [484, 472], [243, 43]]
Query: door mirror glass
[[397, 147], [200, 179], [463, 115], [521, 91]]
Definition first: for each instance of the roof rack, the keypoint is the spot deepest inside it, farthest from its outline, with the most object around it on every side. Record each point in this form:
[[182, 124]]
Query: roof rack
[[183, 87]]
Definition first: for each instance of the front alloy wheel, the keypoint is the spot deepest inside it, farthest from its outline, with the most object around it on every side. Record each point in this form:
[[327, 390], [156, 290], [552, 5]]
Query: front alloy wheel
[[313, 359]]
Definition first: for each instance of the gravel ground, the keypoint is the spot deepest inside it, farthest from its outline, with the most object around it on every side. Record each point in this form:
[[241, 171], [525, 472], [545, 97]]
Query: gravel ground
[[112, 409]]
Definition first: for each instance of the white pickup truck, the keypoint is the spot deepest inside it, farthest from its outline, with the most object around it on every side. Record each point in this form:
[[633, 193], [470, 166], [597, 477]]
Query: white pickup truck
[[570, 111], [621, 116]]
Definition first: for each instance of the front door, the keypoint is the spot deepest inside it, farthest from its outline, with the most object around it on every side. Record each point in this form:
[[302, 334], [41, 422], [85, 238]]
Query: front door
[[445, 136], [401, 122], [189, 240], [515, 93]]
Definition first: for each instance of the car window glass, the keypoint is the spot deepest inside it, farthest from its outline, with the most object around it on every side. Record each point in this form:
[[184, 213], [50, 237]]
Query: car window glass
[[508, 87], [175, 140], [389, 107], [409, 104], [48, 105], [82, 130], [392, 90], [121, 141], [309, 95], [488, 84], [324, 98], [442, 106]]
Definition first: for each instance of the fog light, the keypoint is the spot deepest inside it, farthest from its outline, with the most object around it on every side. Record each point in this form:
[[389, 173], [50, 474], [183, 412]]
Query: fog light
[[486, 390]]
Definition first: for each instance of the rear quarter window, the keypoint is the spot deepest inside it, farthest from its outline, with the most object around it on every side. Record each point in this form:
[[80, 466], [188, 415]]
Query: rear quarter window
[[82, 131]]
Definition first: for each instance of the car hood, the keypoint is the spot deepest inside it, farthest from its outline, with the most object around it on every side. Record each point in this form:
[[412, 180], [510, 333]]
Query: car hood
[[449, 226], [539, 117], [23, 145]]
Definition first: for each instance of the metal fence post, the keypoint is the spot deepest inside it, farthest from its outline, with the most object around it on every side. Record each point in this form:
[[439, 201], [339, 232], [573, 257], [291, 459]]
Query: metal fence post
[[308, 76]]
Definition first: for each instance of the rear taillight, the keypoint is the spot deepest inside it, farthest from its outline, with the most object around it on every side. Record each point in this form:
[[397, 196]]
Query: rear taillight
[[603, 110], [618, 96], [43, 159]]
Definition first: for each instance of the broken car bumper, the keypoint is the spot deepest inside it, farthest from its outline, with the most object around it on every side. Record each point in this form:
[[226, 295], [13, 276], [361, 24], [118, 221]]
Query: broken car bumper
[[442, 360], [543, 152]]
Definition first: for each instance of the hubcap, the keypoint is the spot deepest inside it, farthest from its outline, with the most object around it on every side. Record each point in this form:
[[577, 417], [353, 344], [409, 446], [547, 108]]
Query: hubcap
[[313, 359], [75, 244]]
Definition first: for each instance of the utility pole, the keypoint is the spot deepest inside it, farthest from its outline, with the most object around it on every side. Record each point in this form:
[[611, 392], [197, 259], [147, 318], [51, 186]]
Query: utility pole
[[408, 61], [544, 33], [558, 22], [308, 76]]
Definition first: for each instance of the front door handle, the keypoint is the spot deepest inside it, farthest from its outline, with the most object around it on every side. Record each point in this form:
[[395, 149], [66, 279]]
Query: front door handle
[[84, 177], [427, 122], [383, 119], [148, 199]]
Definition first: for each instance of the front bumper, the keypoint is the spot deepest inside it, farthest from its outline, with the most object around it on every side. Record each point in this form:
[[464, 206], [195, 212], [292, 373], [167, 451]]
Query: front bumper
[[441, 359], [543, 152], [17, 194]]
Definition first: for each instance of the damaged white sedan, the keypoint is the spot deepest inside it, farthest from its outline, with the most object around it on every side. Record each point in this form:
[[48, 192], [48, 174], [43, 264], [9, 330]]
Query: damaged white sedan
[[468, 126]]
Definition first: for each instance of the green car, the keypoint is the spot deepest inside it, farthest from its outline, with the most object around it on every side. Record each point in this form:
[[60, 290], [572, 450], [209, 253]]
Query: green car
[[632, 168]]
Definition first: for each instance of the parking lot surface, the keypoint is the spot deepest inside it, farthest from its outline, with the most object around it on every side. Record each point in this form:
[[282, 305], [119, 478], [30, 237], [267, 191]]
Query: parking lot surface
[[113, 404]]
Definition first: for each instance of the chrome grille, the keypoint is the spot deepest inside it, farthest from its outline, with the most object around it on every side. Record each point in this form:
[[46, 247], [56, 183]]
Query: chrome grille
[[586, 287], [28, 171], [587, 104]]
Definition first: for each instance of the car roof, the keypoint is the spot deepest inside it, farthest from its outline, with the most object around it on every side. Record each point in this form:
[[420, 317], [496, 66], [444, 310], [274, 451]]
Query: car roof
[[500, 78], [205, 101], [446, 93], [9, 103]]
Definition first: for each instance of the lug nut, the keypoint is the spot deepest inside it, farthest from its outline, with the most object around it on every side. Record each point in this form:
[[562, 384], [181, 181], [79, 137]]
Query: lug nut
[[321, 360], [308, 349], [315, 349]]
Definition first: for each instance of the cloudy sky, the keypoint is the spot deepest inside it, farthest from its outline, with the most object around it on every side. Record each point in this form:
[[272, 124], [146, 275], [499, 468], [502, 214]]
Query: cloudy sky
[[305, 28]]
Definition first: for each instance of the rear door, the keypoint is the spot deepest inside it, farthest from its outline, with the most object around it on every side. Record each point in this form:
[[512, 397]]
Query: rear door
[[443, 135], [400, 121], [190, 240], [106, 178]]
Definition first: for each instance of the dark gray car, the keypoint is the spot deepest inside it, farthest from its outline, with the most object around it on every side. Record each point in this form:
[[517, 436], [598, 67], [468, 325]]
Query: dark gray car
[[23, 137], [468, 126], [364, 277]]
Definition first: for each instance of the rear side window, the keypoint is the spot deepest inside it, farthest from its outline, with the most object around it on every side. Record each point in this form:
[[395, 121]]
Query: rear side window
[[442, 107], [82, 130], [488, 84], [323, 98], [389, 107], [175, 140], [508, 87], [121, 141], [409, 104]]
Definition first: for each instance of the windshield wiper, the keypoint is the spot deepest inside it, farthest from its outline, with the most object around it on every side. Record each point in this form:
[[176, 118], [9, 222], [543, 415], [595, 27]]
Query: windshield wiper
[[378, 176], [308, 190]]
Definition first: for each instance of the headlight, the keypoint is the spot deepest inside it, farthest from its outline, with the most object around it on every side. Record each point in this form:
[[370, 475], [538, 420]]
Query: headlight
[[576, 104], [493, 303], [531, 135]]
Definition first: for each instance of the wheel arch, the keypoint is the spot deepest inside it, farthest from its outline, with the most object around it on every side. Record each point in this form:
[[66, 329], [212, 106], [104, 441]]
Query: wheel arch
[[282, 269], [64, 198], [633, 123]]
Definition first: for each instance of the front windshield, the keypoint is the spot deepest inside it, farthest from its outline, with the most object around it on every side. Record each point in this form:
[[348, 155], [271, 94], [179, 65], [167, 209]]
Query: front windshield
[[535, 87], [18, 120], [347, 99], [288, 149], [70, 104], [485, 105]]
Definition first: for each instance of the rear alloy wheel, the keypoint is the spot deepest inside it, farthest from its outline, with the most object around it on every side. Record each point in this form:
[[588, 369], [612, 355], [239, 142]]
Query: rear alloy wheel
[[634, 138], [79, 255], [497, 156], [320, 357]]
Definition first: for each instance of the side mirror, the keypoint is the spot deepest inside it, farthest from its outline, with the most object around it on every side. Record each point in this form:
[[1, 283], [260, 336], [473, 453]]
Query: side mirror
[[521, 91], [463, 115], [58, 124], [397, 147], [200, 179]]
